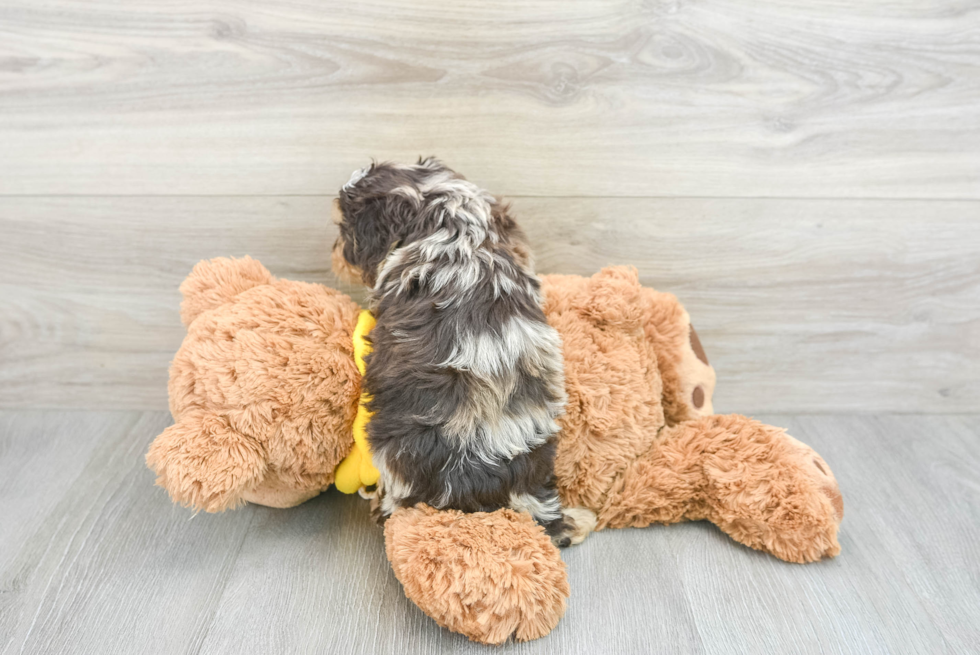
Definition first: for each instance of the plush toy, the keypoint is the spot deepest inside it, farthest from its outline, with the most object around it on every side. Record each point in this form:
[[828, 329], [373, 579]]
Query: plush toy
[[357, 471], [264, 392]]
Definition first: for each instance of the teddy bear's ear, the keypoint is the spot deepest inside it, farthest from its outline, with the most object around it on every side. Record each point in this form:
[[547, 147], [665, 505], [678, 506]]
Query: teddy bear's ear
[[216, 281], [612, 297], [204, 463]]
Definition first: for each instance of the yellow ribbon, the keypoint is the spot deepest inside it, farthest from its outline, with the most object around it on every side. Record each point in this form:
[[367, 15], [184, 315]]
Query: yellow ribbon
[[356, 470]]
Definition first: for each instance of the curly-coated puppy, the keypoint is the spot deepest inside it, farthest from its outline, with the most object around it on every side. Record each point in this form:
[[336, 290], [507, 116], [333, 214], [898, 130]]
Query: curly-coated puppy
[[466, 377]]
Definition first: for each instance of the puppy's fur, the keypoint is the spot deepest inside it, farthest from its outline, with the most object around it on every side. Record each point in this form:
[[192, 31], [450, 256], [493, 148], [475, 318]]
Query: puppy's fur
[[466, 377]]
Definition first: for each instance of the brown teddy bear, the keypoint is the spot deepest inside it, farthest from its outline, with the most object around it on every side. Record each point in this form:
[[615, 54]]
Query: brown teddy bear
[[264, 391]]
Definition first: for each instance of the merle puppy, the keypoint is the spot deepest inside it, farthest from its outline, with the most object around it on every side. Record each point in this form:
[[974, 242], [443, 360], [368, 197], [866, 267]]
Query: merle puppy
[[466, 377]]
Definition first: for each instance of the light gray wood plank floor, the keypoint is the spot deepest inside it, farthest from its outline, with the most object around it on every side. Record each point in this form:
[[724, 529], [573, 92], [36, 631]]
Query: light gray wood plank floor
[[95, 559]]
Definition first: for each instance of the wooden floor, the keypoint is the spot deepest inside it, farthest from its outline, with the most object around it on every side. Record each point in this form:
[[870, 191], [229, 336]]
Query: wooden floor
[[94, 559]]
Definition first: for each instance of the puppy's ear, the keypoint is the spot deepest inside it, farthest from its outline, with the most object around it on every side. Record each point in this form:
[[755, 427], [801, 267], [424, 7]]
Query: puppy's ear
[[432, 163], [368, 237]]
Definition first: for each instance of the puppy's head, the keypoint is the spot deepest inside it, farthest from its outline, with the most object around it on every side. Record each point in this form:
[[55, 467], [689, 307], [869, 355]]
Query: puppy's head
[[381, 208]]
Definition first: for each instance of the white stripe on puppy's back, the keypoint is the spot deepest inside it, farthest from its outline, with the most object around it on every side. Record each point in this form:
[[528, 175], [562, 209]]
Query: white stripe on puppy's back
[[534, 344], [500, 438], [485, 424]]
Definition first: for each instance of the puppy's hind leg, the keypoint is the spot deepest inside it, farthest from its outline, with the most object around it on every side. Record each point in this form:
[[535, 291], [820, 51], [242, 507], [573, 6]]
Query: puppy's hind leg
[[577, 523], [566, 526]]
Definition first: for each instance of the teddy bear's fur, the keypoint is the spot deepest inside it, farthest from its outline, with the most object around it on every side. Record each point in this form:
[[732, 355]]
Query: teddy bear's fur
[[485, 575], [264, 389]]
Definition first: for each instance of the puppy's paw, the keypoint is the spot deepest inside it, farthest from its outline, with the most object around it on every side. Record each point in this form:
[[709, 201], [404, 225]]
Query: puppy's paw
[[576, 524], [377, 512]]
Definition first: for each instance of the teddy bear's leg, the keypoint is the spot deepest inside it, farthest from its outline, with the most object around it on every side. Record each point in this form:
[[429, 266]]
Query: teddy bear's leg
[[206, 464], [216, 281], [484, 575], [761, 486], [688, 378]]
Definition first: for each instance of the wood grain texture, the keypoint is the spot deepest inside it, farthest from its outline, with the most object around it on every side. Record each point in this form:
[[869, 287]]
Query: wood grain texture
[[803, 305], [611, 98], [101, 562], [92, 568]]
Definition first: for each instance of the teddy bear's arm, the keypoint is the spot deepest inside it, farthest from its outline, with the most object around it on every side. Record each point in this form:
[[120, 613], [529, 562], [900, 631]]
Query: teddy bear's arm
[[688, 378]]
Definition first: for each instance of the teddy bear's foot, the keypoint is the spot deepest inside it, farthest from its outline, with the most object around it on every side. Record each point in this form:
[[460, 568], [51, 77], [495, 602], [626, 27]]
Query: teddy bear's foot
[[273, 491], [782, 499], [204, 463], [761, 486], [488, 576], [803, 524]]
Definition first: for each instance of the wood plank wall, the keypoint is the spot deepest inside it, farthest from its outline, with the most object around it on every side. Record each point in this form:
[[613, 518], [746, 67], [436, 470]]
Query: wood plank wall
[[804, 176]]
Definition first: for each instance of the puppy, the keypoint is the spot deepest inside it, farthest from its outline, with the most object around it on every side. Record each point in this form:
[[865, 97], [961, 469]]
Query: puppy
[[466, 377]]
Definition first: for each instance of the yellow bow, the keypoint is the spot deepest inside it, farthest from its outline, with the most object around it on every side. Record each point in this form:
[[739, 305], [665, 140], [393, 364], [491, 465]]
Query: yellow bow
[[356, 470]]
